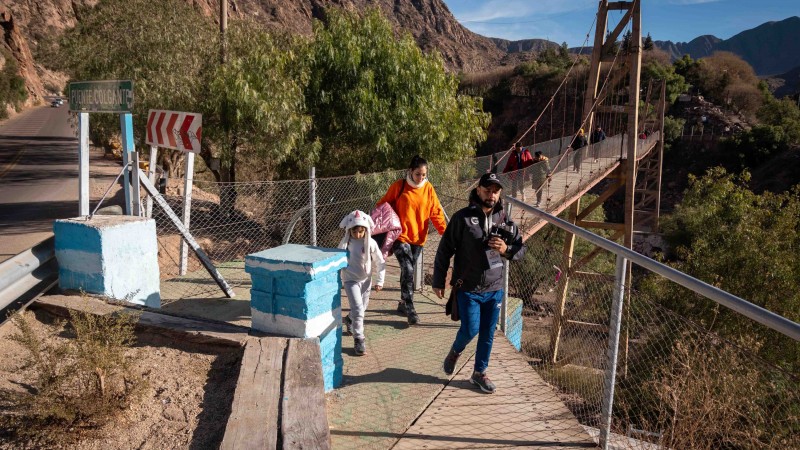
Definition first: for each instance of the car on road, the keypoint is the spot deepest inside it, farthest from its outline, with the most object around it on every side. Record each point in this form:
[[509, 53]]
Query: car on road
[[55, 104]]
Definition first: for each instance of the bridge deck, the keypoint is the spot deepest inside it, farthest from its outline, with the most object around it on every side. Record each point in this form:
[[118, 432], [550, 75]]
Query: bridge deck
[[397, 396]]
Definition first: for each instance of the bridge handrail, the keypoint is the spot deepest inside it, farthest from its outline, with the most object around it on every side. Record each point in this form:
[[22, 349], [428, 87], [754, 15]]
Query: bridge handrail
[[740, 305]]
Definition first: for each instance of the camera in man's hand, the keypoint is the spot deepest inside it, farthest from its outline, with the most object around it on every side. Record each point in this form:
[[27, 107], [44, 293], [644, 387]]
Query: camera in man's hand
[[505, 231]]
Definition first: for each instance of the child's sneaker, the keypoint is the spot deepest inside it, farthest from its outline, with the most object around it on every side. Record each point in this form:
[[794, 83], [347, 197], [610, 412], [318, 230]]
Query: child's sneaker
[[348, 323], [483, 382], [359, 347]]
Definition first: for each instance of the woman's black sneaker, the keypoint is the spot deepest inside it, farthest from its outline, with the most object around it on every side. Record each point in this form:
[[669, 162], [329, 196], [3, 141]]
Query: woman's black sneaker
[[413, 318]]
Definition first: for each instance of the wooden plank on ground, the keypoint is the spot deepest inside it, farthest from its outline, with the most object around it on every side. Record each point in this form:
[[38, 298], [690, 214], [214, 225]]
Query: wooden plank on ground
[[304, 419], [187, 330], [253, 423]]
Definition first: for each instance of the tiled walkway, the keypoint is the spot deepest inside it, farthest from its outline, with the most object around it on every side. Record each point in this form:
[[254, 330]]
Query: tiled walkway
[[398, 397]]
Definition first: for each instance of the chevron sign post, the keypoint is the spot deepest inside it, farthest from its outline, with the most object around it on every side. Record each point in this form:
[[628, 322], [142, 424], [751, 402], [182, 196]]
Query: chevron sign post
[[176, 130], [179, 131]]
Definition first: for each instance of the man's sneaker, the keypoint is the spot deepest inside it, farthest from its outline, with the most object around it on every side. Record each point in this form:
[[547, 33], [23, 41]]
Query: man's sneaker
[[413, 318], [450, 361], [401, 307], [483, 382], [348, 323], [360, 348]]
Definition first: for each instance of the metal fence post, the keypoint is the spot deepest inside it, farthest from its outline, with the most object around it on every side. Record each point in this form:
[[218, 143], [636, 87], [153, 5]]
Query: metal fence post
[[613, 351], [418, 272], [312, 176], [504, 305]]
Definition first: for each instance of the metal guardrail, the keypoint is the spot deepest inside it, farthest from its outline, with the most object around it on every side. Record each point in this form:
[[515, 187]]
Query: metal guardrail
[[28, 274], [625, 255], [740, 305]]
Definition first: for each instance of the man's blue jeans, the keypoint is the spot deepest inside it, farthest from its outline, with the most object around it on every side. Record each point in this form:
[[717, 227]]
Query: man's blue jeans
[[479, 313]]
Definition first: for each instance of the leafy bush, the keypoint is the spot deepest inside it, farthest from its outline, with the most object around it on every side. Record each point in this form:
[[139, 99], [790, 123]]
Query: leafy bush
[[743, 243]]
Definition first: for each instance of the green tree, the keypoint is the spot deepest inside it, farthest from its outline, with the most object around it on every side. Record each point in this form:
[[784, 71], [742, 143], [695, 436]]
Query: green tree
[[746, 244], [376, 99], [648, 43], [254, 104], [12, 86], [675, 83], [162, 46], [782, 113]]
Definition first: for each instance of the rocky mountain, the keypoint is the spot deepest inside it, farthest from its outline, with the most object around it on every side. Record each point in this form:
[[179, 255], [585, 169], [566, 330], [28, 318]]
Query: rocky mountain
[[27, 22], [771, 48], [525, 45], [786, 83], [700, 46]]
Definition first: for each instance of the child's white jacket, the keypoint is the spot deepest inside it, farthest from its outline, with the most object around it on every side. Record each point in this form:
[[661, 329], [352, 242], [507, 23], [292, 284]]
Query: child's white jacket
[[362, 254]]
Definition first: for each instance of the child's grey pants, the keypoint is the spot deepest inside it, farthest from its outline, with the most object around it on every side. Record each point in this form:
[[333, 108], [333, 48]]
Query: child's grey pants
[[358, 295]]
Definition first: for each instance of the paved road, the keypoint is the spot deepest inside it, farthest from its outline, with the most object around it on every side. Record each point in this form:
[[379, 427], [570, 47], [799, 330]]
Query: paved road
[[38, 177]]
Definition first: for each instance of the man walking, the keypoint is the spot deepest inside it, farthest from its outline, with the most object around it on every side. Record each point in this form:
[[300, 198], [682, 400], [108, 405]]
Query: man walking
[[518, 160], [479, 236], [598, 135]]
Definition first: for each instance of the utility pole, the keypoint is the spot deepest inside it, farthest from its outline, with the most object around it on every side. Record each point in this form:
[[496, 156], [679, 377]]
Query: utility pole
[[223, 26]]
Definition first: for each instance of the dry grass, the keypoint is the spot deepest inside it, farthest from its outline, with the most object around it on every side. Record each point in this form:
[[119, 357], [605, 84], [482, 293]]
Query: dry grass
[[77, 384]]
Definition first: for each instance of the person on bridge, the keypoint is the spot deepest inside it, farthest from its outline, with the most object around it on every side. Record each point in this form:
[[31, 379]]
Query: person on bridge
[[362, 254], [479, 236], [539, 172], [416, 203], [597, 135], [518, 160], [577, 145]]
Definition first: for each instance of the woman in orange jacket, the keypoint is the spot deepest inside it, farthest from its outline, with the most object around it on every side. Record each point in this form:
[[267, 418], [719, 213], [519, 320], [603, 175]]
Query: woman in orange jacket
[[416, 203]]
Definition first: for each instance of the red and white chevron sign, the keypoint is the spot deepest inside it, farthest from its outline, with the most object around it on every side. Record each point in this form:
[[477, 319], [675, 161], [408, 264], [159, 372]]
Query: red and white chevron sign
[[176, 130]]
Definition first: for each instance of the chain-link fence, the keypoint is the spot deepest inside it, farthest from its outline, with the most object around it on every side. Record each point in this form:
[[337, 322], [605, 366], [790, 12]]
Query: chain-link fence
[[677, 385], [230, 220]]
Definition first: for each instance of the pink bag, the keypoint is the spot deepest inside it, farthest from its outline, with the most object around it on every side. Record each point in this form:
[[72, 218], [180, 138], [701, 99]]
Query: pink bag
[[387, 227]]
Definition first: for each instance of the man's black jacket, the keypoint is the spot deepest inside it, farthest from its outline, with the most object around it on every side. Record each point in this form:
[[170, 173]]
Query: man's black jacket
[[466, 237]]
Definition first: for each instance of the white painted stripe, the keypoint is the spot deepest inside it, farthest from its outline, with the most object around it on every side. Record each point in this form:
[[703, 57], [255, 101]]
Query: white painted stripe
[[280, 324], [295, 267], [79, 261]]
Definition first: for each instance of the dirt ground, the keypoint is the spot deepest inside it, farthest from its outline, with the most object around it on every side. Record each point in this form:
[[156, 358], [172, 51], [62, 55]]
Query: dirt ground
[[186, 403]]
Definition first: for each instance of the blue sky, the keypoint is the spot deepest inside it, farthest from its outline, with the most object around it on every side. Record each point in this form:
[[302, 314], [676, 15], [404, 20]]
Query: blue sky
[[569, 20]]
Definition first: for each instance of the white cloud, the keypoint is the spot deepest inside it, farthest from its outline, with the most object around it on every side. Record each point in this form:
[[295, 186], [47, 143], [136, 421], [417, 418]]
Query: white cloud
[[522, 9]]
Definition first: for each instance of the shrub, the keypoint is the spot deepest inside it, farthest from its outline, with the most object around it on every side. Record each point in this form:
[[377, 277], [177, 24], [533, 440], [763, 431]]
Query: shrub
[[82, 382]]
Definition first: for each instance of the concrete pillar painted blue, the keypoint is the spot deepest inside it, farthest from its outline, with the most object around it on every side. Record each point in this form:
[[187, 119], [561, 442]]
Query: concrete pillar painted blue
[[296, 291], [514, 322], [113, 256]]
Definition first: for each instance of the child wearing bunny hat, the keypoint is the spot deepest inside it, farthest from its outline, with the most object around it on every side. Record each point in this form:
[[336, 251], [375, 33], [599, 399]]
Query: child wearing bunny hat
[[362, 253]]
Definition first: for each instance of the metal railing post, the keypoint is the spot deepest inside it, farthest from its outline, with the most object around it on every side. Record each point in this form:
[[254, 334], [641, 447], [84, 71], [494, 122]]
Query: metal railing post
[[614, 328], [504, 305], [312, 176]]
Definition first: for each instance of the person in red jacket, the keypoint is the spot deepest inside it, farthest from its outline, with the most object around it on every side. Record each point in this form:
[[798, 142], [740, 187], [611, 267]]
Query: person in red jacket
[[519, 159], [415, 202]]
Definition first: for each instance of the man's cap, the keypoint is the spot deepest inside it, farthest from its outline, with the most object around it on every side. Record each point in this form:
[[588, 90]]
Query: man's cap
[[489, 179]]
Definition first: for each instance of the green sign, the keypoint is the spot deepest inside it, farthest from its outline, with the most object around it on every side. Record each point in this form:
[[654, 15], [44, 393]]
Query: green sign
[[101, 96]]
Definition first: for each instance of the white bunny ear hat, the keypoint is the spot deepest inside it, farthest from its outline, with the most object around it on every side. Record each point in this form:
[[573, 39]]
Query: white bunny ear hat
[[355, 219], [358, 218]]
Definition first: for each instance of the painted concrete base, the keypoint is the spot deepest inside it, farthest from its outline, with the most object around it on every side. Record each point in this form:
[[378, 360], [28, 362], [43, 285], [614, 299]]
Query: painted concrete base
[[113, 256], [514, 322], [296, 291]]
